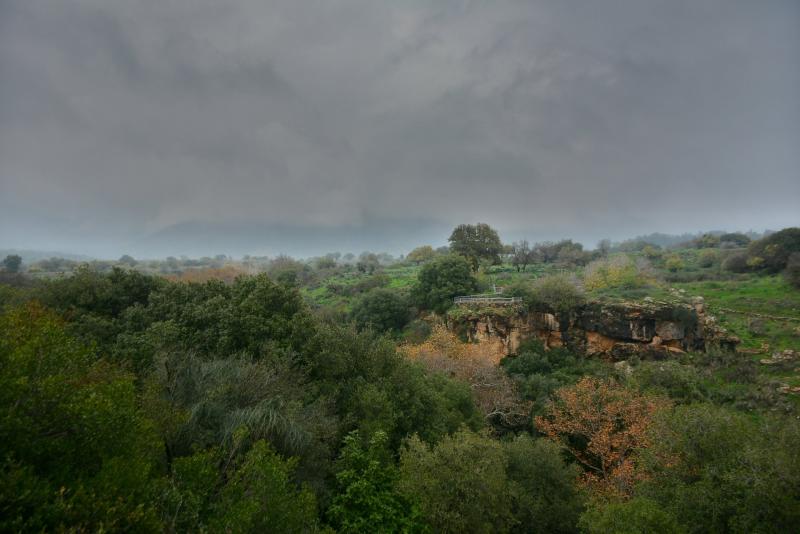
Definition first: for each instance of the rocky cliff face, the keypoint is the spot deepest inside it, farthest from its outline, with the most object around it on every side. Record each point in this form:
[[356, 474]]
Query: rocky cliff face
[[615, 331]]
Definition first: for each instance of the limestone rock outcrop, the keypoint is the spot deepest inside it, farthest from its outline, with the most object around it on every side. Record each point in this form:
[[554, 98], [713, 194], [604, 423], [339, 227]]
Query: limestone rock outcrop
[[612, 330]]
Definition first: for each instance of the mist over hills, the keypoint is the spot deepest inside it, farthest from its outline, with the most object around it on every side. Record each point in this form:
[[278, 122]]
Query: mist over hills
[[200, 238]]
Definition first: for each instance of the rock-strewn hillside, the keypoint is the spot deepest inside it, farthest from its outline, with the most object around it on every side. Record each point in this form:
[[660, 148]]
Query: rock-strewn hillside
[[615, 330]]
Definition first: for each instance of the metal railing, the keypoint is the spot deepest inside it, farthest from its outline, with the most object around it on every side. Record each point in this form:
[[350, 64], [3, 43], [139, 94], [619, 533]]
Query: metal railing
[[486, 299]]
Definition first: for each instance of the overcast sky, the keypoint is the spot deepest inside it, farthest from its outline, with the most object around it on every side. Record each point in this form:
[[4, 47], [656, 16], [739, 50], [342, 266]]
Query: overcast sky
[[123, 121]]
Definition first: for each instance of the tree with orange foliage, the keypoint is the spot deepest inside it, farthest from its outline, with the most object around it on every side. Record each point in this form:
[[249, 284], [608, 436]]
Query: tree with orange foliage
[[494, 392], [602, 424]]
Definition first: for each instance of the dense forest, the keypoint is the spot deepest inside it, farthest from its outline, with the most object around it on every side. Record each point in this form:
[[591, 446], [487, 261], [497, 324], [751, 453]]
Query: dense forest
[[284, 395]]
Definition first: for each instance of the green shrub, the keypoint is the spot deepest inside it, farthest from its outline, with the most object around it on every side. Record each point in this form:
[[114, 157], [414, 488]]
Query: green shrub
[[735, 263], [733, 240], [707, 258], [454, 499], [617, 272], [366, 499], [717, 470], [383, 309], [681, 383], [557, 293], [772, 252], [637, 516], [441, 280], [674, 263], [792, 272]]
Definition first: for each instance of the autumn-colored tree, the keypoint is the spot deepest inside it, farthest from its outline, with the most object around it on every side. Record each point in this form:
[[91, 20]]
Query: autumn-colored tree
[[227, 274], [495, 394], [602, 425]]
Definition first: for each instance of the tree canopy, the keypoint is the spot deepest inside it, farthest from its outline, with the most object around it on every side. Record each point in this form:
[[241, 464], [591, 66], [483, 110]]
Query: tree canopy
[[476, 242]]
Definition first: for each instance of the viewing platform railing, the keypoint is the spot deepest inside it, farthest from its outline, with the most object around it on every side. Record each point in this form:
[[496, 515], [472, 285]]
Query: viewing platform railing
[[486, 299]]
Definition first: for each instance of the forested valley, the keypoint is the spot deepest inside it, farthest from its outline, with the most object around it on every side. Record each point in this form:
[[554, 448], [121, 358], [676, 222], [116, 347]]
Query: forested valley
[[334, 395]]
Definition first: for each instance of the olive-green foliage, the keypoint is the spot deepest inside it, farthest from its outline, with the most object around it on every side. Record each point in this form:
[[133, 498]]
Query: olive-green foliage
[[735, 262], [540, 372], [452, 496], [734, 239], [557, 293], [12, 262], [707, 258], [260, 496], [215, 491], [682, 383], [421, 254], [94, 303], [366, 499], [476, 242], [616, 272], [76, 451], [469, 482], [652, 252], [441, 280], [383, 309], [253, 316], [772, 253], [214, 399], [717, 470], [674, 263], [288, 271], [706, 241], [374, 388], [792, 272], [545, 496], [637, 516]]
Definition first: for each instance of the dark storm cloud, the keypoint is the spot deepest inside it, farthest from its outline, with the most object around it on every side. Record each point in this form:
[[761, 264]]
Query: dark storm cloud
[[122, 120]]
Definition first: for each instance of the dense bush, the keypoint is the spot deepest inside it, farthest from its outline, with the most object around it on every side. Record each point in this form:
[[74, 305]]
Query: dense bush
[[367, 499], [733, 240], [772, 253], [707, 258], [382, 309], [720, 471], [674, 263], [636, 516], [682, 383], [540, 372], [441, 280], [75, 450], [557, 293], [736, 262], [519, 486], [792, 272], [617, 272]]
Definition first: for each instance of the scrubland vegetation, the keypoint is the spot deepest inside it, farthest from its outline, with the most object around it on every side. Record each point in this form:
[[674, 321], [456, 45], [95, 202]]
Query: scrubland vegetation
[[279, 395]]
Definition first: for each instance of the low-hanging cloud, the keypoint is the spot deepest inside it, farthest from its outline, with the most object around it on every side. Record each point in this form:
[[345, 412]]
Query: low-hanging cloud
[[550, 118]]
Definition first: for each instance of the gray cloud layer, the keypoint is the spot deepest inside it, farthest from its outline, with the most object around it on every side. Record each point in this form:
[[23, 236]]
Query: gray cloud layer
[[549, 118]]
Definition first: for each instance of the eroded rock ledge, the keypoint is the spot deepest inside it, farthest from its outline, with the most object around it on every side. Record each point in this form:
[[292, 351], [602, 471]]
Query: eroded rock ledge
[[612, 330]]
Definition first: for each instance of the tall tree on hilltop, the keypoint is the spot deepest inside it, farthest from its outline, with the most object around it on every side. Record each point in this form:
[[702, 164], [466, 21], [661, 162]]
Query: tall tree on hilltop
[[12, 262], [476, 242]]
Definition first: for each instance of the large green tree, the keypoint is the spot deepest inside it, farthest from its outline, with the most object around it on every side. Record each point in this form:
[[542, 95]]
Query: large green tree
[[421, 254], [441, 280], [718, 470], [366, 498], [476, 242], [772, 252], [12, 262], [383, 309], [76, 452], [460, 484]]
